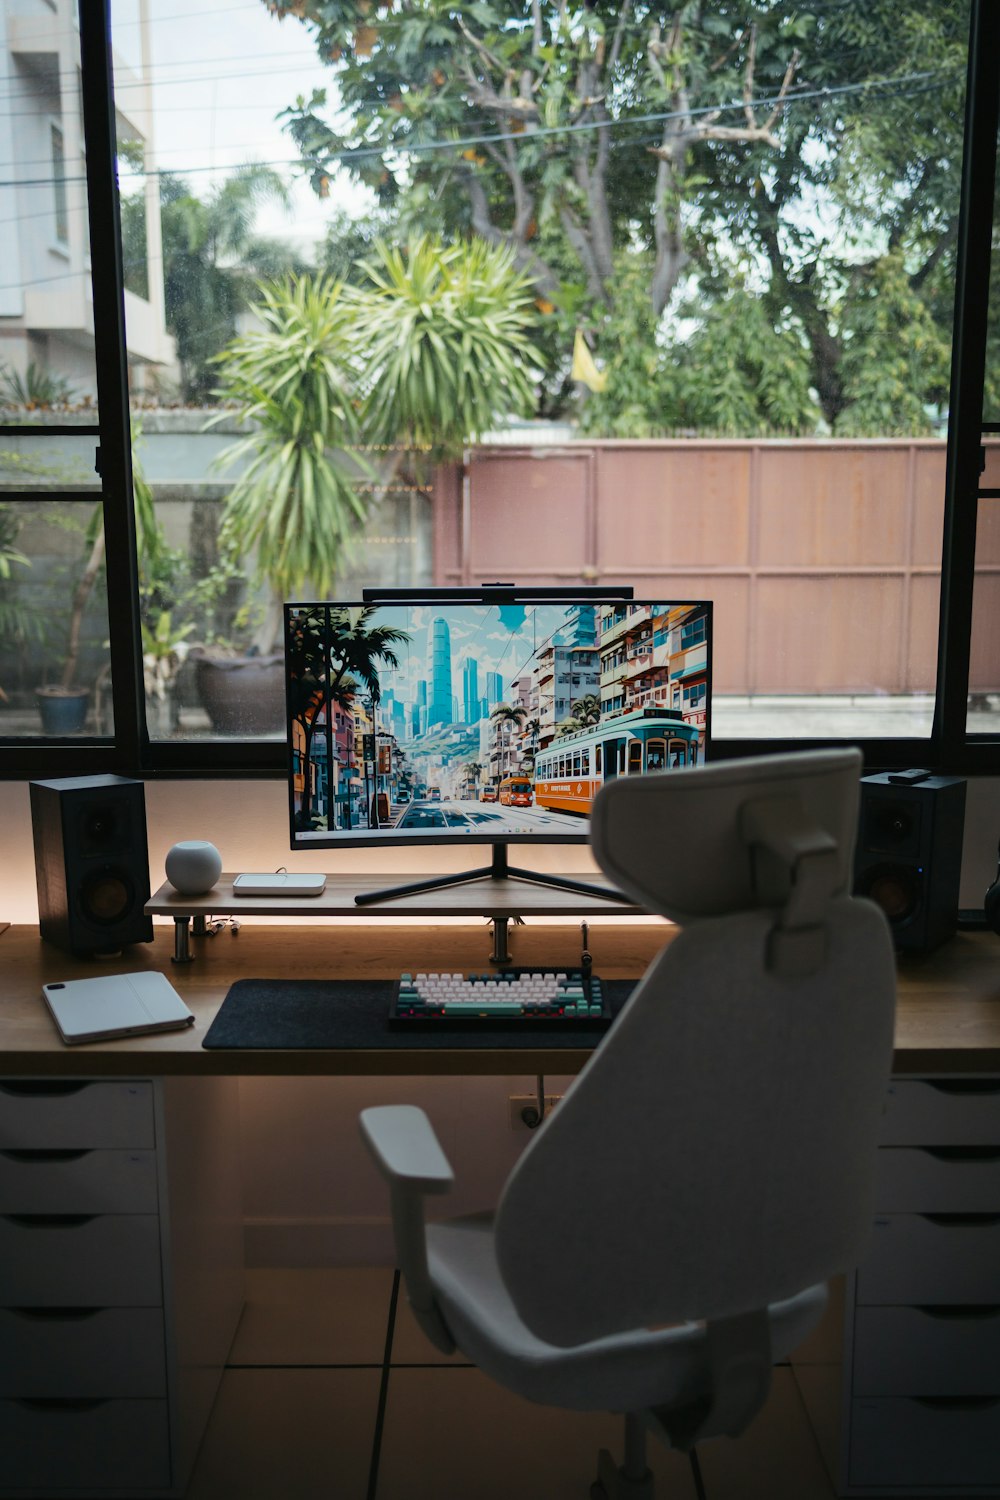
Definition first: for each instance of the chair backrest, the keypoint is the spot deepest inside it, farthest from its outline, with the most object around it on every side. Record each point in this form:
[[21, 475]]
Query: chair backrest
[[717, 1154]]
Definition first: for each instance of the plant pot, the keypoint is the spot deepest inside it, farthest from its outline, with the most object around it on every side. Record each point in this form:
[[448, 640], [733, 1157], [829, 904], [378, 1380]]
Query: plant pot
[[243, 695], [63, 710]]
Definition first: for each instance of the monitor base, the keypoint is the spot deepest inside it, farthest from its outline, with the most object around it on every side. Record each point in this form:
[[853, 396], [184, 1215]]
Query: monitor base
[[499, 869]]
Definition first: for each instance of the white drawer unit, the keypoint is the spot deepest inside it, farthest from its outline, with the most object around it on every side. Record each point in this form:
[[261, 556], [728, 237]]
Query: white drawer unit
[[78, 1182], [120, 1279], [921, 1408]]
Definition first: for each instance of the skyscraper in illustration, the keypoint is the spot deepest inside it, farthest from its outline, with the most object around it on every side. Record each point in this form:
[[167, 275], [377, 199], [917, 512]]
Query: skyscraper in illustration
[[470, 689], [494, 689], [439, 707]]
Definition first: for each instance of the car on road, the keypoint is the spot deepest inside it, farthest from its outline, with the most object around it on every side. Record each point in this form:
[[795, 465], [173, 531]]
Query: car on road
[[488, 794]]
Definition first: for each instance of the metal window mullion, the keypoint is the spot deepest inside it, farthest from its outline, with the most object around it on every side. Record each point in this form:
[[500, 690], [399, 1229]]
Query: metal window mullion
[[958, 560], [97, 87]]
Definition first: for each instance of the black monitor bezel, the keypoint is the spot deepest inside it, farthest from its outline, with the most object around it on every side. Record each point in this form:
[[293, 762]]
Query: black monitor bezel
[[490, 594]]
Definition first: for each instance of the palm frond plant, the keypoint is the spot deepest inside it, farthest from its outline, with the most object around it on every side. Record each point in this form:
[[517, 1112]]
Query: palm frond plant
[[294, 507], [448, 346]]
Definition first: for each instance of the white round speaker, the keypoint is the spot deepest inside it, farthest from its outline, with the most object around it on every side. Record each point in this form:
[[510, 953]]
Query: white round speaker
[[193, 867]]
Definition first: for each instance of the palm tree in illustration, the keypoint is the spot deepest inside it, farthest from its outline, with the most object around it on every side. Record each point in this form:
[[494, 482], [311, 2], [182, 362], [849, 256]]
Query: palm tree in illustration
[[357, 649], [507, 713], [587, 710], [471, 772], [532, 729]]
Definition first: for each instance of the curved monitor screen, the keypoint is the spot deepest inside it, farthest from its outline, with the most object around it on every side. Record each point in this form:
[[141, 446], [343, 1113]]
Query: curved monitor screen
[[484, 722]]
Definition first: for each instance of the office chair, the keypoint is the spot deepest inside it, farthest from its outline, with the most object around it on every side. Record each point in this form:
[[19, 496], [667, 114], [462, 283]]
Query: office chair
[[667, 1234]]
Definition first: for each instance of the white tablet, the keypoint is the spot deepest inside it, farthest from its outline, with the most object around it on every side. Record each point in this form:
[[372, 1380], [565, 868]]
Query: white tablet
[[90, 1010]]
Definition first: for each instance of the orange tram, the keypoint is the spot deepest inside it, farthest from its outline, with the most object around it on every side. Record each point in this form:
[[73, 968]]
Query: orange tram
[[570, 772]]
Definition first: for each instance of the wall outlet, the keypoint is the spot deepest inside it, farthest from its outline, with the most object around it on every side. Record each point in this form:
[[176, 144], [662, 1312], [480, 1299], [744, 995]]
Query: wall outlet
[[517, 1103]]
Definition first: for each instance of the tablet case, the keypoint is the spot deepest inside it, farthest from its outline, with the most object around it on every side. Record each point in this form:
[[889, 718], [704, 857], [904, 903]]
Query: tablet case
[[113, 1005]]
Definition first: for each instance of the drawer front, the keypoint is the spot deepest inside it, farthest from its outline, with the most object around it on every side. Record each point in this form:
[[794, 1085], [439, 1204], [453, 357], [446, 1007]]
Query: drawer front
[[924, 1444], [49, 1114], [915, 1258], [78, 1182], [913, 1351], [99, 1352], [949, 1179], [120, 1445], [110, 1261], [943, 1113]]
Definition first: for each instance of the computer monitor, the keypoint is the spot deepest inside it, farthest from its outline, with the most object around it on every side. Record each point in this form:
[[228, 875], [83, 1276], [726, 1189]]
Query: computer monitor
[[467, 721]]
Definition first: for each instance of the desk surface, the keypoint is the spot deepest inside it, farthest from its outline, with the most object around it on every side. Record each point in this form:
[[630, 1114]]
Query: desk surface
[[948, 1018], [477, 898]]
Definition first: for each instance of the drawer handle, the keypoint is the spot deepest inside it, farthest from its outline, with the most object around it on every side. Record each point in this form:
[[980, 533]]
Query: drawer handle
[[964, 1085], [42, 1088], [47, 1155], [962, 1153], [54, 1314], [61, 1403], [971, 1311], [49, 1221], [956, 1403], [969, 1221]]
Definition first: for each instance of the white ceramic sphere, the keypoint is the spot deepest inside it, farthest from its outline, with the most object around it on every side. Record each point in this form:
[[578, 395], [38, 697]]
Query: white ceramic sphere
[[193, 867]]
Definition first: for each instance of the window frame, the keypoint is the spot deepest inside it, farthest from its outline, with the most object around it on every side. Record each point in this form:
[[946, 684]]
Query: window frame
[[948, 746]]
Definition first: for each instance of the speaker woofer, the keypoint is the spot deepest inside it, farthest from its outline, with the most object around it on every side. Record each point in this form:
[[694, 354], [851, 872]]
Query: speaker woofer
[[106, 896]]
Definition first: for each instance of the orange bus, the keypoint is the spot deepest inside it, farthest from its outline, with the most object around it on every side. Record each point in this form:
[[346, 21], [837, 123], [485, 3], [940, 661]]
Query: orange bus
[[515, 791]]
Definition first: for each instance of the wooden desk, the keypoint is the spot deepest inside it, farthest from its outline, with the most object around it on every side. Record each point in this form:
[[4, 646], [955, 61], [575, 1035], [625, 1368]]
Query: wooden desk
[[948, 1018], [948, 1023]]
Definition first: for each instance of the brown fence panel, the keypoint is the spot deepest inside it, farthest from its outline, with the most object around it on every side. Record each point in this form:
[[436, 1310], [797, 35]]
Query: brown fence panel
[[822, 556]]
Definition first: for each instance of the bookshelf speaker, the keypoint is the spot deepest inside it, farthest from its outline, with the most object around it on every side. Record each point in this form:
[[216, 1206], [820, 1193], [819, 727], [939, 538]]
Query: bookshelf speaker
[[91, 862], [909, 854]]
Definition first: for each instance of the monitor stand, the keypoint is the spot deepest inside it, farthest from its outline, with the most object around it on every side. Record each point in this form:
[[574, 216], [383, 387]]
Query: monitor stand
[[498, 870]]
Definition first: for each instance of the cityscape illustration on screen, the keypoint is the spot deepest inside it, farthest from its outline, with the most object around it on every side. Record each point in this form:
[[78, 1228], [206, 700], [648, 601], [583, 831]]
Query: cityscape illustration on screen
[[484, 721]]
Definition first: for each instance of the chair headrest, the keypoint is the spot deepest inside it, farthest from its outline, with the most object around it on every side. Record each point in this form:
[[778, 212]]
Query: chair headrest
[[735, 835]]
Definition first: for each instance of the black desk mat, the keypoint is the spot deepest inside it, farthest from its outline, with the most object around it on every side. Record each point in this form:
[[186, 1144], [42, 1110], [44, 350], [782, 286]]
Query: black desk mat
[[354, 1013]]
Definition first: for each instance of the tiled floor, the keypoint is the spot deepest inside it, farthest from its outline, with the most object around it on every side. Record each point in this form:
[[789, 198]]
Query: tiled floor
[[296, 1414]]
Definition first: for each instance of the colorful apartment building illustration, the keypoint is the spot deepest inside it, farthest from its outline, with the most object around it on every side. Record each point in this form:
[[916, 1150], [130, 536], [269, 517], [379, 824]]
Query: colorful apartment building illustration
[[654, 656]]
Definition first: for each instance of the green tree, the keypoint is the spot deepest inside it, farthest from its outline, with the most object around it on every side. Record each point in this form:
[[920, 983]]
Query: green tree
[[427, 352], [711, 140], [213, 259]]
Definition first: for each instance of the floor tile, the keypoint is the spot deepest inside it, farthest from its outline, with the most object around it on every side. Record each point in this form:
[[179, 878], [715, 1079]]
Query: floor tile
[[410, 1345], [314, 1317], [777, 1458], [455, 1433], [288, 1435], [820, 1389]]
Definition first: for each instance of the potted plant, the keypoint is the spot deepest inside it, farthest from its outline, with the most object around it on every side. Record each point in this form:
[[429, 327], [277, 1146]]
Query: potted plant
[[425, 355], [63, 705]]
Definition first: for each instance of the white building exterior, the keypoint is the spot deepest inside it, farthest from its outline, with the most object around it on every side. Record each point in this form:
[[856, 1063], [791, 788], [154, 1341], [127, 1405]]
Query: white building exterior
[[46, 300]]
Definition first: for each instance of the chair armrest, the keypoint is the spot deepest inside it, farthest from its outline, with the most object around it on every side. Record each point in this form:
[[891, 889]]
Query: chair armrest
[[407, 1152]]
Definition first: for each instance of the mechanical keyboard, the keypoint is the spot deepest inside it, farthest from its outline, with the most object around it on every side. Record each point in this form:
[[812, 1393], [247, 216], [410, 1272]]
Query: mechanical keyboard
[[536, 997]]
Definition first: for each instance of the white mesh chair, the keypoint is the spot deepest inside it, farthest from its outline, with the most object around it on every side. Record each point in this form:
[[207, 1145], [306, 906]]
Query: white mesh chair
[[668, 1232]]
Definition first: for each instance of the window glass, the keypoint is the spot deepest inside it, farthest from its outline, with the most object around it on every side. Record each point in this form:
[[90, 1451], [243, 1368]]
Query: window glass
[[54, 654], [46, 304], [984, 667], [730, 236]]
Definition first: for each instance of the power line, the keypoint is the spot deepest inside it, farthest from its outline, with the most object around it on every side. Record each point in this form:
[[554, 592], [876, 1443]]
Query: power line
[[404, 148]]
